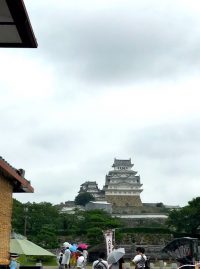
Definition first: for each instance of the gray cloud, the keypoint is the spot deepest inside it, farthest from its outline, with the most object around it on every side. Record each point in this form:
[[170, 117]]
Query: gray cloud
[[121, 44], [55, 140], [167, 157], [109, 79], [169, 141]]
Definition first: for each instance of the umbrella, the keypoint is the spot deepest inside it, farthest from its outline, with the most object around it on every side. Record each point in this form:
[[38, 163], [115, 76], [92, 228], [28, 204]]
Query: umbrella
[[26, 247], [115, 255], [83, 246], [66, 245], [180, 247], [73, 247]]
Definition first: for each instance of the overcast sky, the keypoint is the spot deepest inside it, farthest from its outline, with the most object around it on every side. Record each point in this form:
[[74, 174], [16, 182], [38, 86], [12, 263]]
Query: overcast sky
[[109, 79]]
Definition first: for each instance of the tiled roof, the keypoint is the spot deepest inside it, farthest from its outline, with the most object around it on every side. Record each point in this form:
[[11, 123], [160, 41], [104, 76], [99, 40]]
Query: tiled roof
[[89, 183], [118, 162], [16, 176]]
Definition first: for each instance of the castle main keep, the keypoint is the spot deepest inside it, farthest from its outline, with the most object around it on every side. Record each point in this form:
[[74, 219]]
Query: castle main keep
[[122, 185], [121, 190]]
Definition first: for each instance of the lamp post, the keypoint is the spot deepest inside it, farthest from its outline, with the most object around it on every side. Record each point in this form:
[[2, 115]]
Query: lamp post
[[25, 220], [113, 231]]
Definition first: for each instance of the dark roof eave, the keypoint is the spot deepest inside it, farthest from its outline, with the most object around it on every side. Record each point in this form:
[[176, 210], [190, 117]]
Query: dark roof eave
[[22, 185], [23, 25]]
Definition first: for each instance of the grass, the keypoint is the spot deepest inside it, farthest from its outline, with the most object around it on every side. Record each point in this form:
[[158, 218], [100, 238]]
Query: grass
[[32, 260]]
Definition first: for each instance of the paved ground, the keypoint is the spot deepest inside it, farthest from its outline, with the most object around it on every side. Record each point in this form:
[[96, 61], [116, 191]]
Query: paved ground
[[169, 266]]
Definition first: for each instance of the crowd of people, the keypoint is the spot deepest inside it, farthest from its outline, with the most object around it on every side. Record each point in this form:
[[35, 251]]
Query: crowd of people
[[75, 257], [78, 259]]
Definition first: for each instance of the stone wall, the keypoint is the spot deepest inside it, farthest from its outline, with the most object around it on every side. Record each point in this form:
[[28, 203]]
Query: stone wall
[[5, 219], [124, 201], [143, 222], [127, 210], [138, 210]]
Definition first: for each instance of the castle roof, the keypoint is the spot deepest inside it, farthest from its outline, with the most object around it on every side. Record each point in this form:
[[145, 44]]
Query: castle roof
[[15, 176], [89, 183], [126, 163]]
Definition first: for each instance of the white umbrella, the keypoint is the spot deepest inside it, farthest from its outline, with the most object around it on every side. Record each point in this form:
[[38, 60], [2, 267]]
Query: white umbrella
[[115, 255], [66, 245]]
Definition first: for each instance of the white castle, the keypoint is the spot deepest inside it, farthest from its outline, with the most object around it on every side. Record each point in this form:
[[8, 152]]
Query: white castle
[[122, 186]]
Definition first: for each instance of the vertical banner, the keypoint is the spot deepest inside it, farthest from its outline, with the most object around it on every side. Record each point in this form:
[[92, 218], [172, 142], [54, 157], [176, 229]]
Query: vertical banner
[[108, 236]]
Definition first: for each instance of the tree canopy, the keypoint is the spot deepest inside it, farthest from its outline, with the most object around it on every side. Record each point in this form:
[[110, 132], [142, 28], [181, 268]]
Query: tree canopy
[[43, 224], [38, 221], [83, 198], [186, 219], [92, 224]]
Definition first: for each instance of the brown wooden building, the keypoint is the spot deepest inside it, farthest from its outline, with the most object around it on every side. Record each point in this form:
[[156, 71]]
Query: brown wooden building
[[11, 181]]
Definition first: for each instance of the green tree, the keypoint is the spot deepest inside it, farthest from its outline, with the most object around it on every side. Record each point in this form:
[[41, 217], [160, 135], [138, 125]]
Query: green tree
[[18, 217], [47, 237], [186, 219], [91, 225], [160, 204], [45, 224], [83, 198], [35, 220], [68, 223], [40, 214], [95, 236]]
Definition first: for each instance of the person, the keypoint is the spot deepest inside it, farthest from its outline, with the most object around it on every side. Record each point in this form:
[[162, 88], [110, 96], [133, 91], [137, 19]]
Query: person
[[60, 257], [73, 259], [85, 255], [117, 265], [80, 260], [38, 263], [100, 263], [140, 258], [13, 262], [66, 258], [121, 263], [187, 260]]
